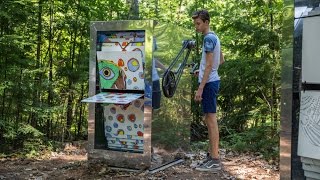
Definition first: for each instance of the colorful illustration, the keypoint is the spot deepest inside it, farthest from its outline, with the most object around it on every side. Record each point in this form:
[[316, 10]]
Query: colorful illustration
[[120, 59], [120, 70], [131, 46], [113, 98], [124, 129], [112, 76]]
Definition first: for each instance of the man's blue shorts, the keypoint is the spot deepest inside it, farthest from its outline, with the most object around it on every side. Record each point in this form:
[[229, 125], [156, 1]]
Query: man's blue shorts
[[209, 97]]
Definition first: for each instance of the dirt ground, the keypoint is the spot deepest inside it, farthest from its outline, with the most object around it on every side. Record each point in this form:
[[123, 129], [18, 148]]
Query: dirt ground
[[71, 163]]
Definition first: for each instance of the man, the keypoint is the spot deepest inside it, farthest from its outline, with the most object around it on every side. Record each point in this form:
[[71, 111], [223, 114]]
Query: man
[[209, 82]]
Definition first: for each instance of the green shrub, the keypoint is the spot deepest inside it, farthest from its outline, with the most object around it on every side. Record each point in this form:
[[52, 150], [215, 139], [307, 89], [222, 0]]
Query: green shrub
[[256, 139], [22, 138]]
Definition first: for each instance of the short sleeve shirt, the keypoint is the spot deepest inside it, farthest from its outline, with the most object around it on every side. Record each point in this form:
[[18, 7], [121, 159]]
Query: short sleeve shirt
[[211, 44]]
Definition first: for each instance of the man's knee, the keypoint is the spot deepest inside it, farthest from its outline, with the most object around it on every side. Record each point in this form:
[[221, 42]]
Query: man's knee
[[211, 119]]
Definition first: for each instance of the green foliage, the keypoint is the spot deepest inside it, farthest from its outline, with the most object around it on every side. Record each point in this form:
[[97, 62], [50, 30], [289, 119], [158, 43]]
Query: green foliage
[[258, 139], [44, 69], [20, 137]]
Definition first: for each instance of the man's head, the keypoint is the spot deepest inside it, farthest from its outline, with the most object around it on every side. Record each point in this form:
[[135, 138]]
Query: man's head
[[201, 20]]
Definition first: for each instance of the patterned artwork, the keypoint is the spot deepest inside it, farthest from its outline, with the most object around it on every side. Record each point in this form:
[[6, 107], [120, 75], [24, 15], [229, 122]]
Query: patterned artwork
[[120, 70], [120, 58], [113, 98], [116, 44], [124, 125], [309, 125]]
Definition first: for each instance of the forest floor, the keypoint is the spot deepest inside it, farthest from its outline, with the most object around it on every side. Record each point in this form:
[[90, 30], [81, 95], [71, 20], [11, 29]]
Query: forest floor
[[71, 163]]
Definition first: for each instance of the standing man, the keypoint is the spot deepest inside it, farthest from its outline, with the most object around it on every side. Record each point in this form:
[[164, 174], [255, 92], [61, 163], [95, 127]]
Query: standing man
[[208, 89]]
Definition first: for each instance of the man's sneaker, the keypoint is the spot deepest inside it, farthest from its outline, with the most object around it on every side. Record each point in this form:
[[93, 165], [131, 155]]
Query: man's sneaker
[[211, 165], [208, 158]]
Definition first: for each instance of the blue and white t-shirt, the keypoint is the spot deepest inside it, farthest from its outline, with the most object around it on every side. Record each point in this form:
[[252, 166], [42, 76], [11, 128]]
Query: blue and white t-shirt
[[211, 43], [155, 75]]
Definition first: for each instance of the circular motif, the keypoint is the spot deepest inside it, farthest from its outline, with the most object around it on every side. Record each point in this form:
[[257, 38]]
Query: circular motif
[[132, 117], [129, 128], [139, 133], [110, 118], [107, 73], [125, 68], [137, 103], [133, 64], [108, 135], [135, 126], [120, 118], [113, 110], [135, 79], [129, 82], [120, 132], [108, 128], [120, 62], [115, 125]]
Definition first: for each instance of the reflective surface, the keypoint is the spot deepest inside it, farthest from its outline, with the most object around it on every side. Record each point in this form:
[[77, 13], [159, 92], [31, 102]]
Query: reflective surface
[[171, 122], [286, 91], [290, 163]]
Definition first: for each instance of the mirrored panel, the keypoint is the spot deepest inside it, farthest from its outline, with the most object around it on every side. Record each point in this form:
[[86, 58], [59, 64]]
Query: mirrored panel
[[171, 112]]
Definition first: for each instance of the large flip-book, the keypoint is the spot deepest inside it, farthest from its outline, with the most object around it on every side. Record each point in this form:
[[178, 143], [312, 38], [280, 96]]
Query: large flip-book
[[119, 107]]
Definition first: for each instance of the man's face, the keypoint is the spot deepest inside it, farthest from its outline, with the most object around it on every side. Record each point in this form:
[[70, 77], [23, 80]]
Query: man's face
[[200, 25]]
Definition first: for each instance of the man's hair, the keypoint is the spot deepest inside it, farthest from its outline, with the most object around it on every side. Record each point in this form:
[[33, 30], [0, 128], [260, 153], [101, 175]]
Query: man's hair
[[202, 14]]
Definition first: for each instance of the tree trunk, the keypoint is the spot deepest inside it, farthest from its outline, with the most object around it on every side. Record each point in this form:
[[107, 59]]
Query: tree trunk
[[19, 103], [134, 9], [74, 36], [36, 91], [4, 91], [80, 112], [274, 104], [50, 76], [4, 30]]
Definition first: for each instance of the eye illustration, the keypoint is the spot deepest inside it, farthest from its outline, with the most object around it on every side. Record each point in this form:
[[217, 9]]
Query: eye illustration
[[107, 73]]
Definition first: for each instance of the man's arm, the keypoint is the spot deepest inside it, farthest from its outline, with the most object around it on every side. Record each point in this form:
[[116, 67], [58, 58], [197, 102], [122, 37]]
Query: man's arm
[[221, 57], [160, 65], [207, 70], [206, 73]]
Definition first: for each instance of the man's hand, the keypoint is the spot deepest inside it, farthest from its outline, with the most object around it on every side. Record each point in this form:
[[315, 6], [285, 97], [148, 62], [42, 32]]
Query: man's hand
[[198, 96]]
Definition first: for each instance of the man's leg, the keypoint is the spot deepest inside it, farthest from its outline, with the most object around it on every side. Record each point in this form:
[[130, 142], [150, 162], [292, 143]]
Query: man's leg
[[209, 105], [213, 161], [213, 133]]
